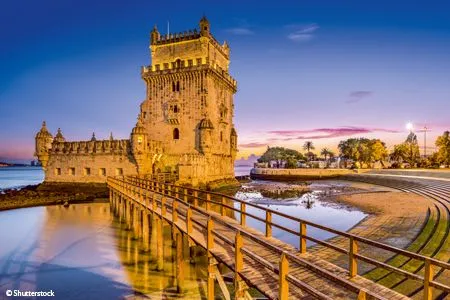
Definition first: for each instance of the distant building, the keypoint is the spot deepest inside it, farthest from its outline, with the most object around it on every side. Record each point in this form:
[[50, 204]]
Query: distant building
[[185, 125], [33, 163]]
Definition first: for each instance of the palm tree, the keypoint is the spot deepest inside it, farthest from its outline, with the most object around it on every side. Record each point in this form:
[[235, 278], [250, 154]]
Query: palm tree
[[308, 146], [325, 152]]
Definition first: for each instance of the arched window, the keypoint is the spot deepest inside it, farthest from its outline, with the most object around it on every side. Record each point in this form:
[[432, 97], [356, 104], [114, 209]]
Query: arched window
[[178, 86], [175, 108], [221, 136], [176, 134], [173, 86], [178, 63]]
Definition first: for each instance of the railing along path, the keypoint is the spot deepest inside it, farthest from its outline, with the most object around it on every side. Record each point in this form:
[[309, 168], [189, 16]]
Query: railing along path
[[278, 270]]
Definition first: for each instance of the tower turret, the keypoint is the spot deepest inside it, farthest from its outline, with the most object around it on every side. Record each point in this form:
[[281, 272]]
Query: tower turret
[[204, 26], [205, 128], [43, 142], [59, 138], [139, 144], [154, 36]]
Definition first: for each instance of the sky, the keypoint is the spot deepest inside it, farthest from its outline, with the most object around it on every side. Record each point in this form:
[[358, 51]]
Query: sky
[[322, 71]]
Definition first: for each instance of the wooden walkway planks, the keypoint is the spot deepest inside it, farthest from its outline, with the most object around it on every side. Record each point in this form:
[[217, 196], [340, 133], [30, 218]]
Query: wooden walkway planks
[[308, 275]]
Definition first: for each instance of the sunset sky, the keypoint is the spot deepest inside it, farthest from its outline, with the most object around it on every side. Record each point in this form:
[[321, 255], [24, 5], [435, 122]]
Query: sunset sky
[[306, 70]]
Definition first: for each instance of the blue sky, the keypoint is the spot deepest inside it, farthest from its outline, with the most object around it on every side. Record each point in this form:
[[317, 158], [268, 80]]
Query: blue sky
[[318, 70]]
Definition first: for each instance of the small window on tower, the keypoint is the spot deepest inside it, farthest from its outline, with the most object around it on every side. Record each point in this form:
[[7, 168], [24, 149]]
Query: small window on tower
[[176, 134], [157, 67], [102, 172], [178, 86], [175, 108], [72, 171], [58, 171], [87, 171], [199, 61], [139, 140], [190, 62], [119, 171], [221, 136]]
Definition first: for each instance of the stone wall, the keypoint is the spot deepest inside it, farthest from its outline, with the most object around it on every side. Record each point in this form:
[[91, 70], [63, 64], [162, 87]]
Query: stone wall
[[88, 168], [297, 174]]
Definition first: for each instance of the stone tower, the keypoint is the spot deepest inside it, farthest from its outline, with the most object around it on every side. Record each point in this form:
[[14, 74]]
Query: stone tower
[[43, 142], [189, 104]]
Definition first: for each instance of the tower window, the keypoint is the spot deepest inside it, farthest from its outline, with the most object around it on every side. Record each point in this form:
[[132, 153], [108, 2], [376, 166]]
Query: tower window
[[176, 109], [199, 61], [58, 171], [87, 171], [139, 140], [102, 172], [119, 171], [178, 86], [157, 67], [176, 134], [221, 136], [72, 171], [178, 63]]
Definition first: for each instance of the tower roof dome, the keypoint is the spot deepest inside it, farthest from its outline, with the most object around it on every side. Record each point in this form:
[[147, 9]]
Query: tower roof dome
[[139, 128], [59, 136], [44, 133], [205, 124]]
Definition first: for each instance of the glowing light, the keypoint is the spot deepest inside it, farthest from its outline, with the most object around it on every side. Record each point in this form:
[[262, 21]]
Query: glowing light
[[409, 126]]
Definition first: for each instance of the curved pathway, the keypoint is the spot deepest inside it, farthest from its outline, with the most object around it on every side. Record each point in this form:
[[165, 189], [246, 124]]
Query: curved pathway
[[435, 245]]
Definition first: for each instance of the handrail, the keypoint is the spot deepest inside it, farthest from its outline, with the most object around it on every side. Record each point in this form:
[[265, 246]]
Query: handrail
[[194, 196], [255, 257]]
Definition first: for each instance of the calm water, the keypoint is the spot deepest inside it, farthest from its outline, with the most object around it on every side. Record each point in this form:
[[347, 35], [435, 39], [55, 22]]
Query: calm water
[[82, 252], [16, 177]]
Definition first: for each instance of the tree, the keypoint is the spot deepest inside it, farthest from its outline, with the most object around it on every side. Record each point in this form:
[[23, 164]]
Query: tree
[[443, 144], [363, 151], [308, 146], [408, 151], [280, 155]]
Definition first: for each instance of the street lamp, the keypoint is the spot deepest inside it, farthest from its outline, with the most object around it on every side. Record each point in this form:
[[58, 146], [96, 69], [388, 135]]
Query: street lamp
[[409, 126]]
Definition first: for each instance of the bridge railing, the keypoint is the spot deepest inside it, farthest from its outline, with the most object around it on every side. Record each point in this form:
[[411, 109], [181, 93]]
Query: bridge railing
[[200, 198], [181, 198]]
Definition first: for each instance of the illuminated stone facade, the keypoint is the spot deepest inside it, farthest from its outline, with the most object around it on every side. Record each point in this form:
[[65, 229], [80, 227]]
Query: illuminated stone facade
[[185, 125]]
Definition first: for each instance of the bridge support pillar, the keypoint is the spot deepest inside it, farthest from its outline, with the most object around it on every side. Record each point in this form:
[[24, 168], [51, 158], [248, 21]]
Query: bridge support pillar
[[153, 242], [128, 214], [160, 244], [179, 262], [137, 221], [145, 230]]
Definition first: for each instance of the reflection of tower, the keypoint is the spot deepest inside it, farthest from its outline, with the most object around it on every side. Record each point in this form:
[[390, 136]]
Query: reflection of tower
[[43, 142]]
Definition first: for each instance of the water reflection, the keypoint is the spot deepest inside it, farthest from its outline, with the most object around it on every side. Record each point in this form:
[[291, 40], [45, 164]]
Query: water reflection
[[297, 202], [82, 252]]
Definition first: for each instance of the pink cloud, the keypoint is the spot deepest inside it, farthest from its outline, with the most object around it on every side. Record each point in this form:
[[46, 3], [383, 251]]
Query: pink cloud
[[323, 133], [253, 145]]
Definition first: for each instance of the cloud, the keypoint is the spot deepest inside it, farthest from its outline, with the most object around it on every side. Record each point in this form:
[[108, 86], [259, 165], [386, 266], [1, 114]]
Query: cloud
[[322, 133], [357, 96], [240, 31], [253, 145], [302, 33]]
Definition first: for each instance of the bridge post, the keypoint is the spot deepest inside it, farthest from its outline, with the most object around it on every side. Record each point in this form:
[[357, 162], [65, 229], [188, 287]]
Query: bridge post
[[243, 214], [427, 290], [302, 246], [137, 221], [361, 295], [163, 207], [160, 244], [174, 219], [211, 260], [128, 214], [179, 263], [222, 207], [145, 229], [208, 202], [268, 223], [195, 198], [153, 235], [353, 264], [283, 292], [239, 284], [185, 196]]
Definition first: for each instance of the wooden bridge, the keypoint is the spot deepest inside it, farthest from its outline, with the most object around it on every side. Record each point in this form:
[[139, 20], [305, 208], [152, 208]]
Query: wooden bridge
[[218, 223]]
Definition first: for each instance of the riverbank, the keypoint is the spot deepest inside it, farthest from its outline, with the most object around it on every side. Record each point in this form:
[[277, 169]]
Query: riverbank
[[51, 194]]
